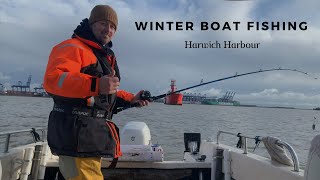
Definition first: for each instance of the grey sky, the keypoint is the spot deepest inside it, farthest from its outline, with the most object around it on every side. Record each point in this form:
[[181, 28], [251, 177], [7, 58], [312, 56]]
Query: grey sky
[[150, 59]]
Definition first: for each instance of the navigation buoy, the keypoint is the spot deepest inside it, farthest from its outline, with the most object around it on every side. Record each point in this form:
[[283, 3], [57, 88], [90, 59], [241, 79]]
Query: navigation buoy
[[173, 98]]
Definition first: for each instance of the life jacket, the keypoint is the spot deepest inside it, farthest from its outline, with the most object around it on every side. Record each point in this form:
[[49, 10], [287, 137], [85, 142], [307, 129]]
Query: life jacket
[[80, 123]]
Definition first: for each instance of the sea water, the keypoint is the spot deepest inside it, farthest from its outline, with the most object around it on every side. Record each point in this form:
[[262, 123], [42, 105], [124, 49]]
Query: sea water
[[168, 123]]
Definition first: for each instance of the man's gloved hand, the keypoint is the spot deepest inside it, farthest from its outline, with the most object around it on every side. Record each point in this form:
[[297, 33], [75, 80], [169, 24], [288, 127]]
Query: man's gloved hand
[[108, 84], [137, 99]]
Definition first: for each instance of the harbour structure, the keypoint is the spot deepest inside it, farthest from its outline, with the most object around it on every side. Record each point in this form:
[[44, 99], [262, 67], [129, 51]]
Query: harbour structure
[[193, 98], [226, 100], [2, 87], [39, 91], [20, 89], [198, 98]]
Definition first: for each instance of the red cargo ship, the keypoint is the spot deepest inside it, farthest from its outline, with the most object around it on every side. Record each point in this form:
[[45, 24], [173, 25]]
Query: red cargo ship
[[173, 98]]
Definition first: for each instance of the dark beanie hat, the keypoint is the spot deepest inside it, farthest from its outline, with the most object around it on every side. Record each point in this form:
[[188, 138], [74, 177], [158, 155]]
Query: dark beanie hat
[[103, 12]]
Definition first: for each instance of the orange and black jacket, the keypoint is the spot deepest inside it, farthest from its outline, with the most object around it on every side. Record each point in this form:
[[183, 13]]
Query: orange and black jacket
[[74, 68], [71, 78]]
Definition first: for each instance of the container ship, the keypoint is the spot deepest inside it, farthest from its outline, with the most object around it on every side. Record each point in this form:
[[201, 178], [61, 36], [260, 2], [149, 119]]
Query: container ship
[[193, 98], [226, 100]]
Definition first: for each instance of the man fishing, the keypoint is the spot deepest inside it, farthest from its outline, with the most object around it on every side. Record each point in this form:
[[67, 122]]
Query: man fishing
[[83, 78]]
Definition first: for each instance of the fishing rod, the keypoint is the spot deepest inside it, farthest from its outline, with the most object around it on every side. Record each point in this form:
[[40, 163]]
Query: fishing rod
[[146, 95]]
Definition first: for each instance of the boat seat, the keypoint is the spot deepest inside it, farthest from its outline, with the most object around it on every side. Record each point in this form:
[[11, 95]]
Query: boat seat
[[312, 168]]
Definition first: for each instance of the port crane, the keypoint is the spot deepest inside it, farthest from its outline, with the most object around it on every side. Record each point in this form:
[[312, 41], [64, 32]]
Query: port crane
[[22, 88]]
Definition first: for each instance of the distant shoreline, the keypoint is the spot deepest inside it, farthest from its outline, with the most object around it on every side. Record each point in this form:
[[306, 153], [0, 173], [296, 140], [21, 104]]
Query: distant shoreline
[[278, 107], [241, 105], [252, 105]]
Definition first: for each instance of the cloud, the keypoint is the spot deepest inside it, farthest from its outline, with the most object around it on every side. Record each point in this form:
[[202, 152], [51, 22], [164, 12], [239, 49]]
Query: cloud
[[212, 92], [275, 97], [4, 77]]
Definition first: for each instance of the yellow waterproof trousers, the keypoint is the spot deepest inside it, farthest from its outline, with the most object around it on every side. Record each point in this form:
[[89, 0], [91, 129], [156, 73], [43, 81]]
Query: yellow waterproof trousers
[[78, 168]]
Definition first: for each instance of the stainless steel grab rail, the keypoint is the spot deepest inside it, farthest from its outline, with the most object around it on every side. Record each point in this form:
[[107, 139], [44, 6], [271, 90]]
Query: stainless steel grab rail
[[294, 156], [9, 133]]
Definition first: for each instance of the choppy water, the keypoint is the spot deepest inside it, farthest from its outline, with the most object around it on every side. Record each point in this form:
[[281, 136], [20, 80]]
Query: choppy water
[[168, 123]]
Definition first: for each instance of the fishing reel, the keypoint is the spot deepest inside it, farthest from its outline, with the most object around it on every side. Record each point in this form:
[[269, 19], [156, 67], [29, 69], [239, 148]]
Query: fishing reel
[[145, 95]]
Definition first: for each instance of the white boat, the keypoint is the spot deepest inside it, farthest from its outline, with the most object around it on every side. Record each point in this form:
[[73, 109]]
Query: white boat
[[202, 159]]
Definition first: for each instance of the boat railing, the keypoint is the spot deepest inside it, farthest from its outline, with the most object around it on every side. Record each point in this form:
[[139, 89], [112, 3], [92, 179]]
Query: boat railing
[[32, 131], [243, 138], [294, 156]]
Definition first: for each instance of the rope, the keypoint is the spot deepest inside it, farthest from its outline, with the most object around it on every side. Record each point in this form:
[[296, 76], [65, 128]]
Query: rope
[[35, 135], [239, 143], [257, 142]]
